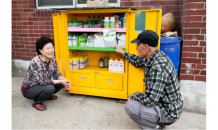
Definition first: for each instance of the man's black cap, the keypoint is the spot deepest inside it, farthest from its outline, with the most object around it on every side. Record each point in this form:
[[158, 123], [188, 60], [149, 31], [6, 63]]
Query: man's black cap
[[147, 37]]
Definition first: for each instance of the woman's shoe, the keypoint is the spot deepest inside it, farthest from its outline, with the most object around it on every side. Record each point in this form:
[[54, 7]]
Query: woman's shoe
[[52, 97], [40, 106]]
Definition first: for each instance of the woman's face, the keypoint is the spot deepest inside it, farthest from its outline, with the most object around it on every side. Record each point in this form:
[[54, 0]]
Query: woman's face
[[47, 51]]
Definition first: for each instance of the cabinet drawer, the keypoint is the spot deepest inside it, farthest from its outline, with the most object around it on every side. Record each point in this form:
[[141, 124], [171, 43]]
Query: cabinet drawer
[[83, 80], [110, 82]]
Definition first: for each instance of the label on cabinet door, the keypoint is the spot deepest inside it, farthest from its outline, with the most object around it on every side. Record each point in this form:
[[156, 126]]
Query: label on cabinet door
[[109, 79], [83, 77], [110, 82]]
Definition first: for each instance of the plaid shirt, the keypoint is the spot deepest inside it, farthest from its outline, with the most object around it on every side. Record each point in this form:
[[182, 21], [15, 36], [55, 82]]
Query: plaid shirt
[[40, 72], [162, 85]]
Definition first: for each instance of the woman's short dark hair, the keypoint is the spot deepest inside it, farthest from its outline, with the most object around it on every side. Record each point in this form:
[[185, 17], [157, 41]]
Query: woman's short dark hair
[[41, 42]]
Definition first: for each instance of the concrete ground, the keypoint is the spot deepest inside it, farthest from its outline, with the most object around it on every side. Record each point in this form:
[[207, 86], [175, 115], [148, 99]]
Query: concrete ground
[[82, 112]]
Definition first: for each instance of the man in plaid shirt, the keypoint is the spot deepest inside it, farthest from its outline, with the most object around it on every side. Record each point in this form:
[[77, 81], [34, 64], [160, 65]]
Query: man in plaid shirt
[[161, 104]]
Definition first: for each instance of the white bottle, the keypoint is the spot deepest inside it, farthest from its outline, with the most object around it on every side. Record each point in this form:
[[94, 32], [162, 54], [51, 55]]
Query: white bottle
[[112, 22], [111, 65], [121, 66], [74, 63], [77, 63], [106, 22], [74, 40], [116, 69], [69, 40], [71, 63]]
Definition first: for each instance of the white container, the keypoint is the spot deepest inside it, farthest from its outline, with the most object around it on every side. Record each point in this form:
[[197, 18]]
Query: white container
[[69, 40], [81, 63], [106, 22], [74, 64], [111, 65], [121, 66], [112, 22], [77, 63], [116, 69], [117, 25], [74, 40], [71, 63]]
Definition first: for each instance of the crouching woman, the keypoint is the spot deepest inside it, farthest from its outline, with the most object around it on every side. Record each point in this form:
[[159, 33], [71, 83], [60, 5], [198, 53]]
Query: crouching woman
[[43, 78]]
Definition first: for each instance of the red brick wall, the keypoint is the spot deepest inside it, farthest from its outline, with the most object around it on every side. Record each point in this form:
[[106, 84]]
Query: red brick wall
[[193, 61], [29, 24], [172, 6]]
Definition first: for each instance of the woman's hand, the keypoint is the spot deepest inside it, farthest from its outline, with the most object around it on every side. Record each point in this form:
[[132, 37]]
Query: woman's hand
[[66, 84]]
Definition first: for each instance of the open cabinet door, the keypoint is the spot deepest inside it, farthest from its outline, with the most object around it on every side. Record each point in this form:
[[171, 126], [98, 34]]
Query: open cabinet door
[[140, 20], [59, 53]]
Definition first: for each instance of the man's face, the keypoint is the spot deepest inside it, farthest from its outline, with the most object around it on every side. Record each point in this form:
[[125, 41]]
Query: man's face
[[142, 50]]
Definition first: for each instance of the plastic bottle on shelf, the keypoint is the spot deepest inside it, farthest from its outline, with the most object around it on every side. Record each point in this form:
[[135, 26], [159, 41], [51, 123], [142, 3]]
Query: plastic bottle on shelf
[[102, 22], [117, 25], [93, 19], [81, 62], [124, 21], [121, 19], [111, 65], [81, 24], [71, 63], [85, 61], [121, 66], [77, 36], [90, 24], [69, 24], [74, 40], [69, 40], [74, 63], [77, 63], [99, 24], [89, 19], [73, 24], [106, 22], [112, 22], [99, 19], [101, 63], [93, 24], [116, 69], [78, 24], [105, 61], [85, 25], [96, 24]]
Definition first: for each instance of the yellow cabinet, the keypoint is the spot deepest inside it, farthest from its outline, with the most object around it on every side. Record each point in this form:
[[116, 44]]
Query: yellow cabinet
[[83, 80], [110, 82], [93, 80]]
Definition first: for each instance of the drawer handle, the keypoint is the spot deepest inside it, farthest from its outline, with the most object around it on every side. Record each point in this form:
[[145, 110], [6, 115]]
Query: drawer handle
[[109, 79], [83, 77]]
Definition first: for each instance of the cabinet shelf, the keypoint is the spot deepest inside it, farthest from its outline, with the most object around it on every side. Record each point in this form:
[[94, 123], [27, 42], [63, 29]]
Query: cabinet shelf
[[93, 48], [93, 29]]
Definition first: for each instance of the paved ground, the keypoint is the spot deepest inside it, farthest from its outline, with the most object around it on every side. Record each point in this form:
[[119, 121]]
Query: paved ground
[[82, 112]]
